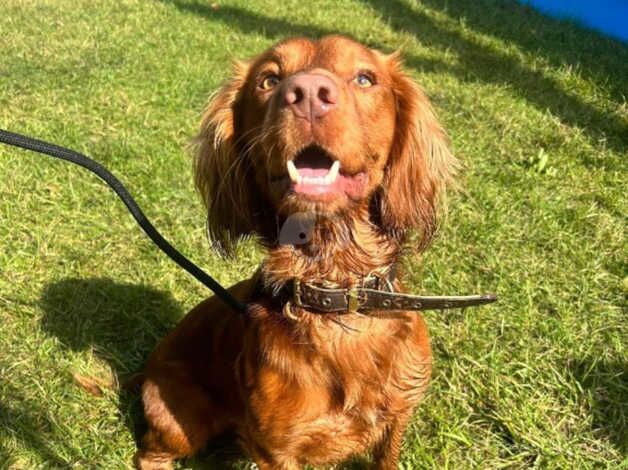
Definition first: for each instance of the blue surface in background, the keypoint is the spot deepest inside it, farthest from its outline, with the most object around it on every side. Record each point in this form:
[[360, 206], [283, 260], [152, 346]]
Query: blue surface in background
[[608, 16]]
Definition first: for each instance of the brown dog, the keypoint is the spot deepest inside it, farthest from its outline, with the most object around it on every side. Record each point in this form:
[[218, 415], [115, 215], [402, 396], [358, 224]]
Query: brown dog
[[337, 134]]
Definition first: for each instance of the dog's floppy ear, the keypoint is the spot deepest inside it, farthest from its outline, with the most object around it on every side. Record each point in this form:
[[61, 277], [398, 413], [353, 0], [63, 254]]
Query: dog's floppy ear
[[420, 165], [223, 177]]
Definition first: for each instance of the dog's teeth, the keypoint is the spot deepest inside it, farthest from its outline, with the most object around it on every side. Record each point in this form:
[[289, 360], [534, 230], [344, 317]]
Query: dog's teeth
[[333, 172], [293, 172], [326, 180]]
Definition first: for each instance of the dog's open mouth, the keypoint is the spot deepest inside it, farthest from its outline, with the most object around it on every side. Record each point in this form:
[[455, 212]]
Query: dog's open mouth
[[315, 172]]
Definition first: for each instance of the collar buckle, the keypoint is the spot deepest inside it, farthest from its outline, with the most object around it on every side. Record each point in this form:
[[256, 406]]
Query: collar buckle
[[355, 298]]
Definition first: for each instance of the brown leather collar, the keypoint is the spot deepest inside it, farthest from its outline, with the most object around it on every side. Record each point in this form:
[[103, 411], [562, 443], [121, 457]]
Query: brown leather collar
[[376, 293], [363, 299]]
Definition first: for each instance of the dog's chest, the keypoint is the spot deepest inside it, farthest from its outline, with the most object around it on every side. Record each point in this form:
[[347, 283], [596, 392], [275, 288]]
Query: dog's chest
[[328, 404]]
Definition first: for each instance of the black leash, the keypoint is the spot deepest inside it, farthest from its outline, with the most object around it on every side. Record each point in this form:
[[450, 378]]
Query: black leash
[[28, 143]]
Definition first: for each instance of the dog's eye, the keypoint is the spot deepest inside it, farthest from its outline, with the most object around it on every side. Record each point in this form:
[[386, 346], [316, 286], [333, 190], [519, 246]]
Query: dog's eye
[[269, 82], [363, 80]]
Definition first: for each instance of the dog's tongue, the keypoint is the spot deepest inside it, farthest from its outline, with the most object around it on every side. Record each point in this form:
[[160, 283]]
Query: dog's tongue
[[352, 186], [312, 172]]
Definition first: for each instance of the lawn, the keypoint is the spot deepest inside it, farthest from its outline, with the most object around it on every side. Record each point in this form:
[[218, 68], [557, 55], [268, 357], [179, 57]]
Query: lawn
[[536, 110]]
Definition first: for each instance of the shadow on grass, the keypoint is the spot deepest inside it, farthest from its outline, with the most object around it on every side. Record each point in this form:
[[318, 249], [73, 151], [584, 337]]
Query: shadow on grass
[[122, 324], [275, 28], [247, 21], [595, 57], [480, 62], [607, 385], [28, 423], [557, 41]]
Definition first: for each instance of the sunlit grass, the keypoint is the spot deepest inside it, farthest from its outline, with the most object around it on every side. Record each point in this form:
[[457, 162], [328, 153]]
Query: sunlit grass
[[536, 110]]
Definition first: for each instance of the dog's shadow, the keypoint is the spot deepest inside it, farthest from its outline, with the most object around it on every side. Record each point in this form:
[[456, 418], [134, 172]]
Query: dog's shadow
[[121, 324], [605, 386]]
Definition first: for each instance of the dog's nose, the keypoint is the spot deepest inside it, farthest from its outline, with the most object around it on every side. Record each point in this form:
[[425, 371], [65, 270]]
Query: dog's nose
[[310, 95]]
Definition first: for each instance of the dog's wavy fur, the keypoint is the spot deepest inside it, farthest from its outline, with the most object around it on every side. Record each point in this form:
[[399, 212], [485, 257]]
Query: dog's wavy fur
[[304, 388]]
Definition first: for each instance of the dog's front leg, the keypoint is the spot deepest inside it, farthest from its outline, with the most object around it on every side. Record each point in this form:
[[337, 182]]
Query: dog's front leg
[[180, 414], [386, 454]]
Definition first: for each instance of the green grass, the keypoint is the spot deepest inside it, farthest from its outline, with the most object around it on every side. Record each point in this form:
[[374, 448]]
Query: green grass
[[535, 108]]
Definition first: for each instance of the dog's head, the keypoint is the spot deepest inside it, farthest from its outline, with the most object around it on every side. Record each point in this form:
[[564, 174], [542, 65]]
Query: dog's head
[[329, 126]]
